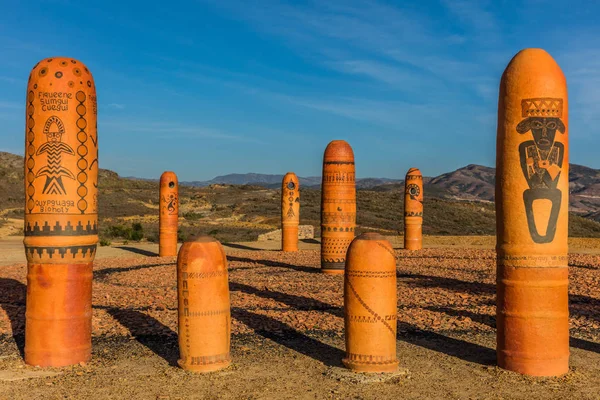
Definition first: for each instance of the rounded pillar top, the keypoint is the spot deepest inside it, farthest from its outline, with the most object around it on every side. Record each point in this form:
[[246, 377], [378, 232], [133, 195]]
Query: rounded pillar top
[[371, 236], [64, 73], [338, 150], [414, 171], [202, 239], [533, 70], [290, 175], [167, 177], [205, 251]]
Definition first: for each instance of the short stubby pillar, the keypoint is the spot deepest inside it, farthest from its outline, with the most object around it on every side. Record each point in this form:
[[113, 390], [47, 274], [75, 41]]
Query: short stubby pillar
[[203, 305], [532, 200], [61, 211], [290, 212], [338, 206], [370, 309], [169, 214], [413, 210]]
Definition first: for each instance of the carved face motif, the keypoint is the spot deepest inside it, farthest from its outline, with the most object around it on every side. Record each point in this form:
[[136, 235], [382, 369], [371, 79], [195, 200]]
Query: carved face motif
[[54, 136], [543, 130]]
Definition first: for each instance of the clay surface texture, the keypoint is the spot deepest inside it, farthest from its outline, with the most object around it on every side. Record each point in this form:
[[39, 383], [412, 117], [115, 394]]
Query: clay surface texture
[[169, 214], [370, 311], [203, 306], [338, 206], [61, 211], [532, 189], [290, 212], [413, 210]]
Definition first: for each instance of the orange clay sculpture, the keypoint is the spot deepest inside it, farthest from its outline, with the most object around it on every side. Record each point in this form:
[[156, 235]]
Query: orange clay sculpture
[[532, 200], [61, 212], [370, 305], [204, 311], [413, 210], [169, 213], [290, 212], [338, 206]]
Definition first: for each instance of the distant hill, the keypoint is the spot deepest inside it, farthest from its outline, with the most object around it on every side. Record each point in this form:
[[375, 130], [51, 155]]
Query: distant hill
[[273, 181], [473, 182]]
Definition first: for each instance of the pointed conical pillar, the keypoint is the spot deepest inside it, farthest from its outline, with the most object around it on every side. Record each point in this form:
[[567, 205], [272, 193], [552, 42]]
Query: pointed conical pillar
[[532, 200], [61, 212]]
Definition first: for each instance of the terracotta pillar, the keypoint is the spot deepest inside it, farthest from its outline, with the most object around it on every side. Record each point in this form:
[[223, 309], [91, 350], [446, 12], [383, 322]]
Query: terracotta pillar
[[61, 211], [290, 212], [203, 301], [338, 206], [169, 214], [413, 210], [532, 201], [370, 305]]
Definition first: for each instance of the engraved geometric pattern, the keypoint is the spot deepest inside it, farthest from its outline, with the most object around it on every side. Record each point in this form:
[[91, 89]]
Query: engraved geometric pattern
[[30, 152], [542, 107], [82, 151]]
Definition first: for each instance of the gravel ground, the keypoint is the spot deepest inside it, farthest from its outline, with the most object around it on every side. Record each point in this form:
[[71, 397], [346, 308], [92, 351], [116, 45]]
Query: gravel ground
[[287, 331]]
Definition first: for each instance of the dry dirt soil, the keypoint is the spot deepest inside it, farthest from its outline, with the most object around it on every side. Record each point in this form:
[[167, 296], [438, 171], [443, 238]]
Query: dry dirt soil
[[288, 332]]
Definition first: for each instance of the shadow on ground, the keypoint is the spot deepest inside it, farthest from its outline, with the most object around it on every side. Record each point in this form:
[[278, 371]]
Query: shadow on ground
[[406, 332], [285, 335], [163, 343], [12, 302], [103, 273], [135, 250], [275, 264]]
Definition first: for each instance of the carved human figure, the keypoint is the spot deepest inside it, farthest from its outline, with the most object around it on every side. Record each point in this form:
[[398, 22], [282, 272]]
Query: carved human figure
[[542, 160]]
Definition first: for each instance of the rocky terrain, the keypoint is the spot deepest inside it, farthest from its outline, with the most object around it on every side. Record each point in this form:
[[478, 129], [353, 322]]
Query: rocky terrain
[[288, 333]]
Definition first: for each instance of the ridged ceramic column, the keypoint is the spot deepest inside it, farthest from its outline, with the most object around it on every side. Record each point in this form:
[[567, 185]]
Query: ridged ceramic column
[[61, 211], [290, 212], [338, 206], [169, 214], [370, 309], [532, 201], [203, 304], [413, 210]]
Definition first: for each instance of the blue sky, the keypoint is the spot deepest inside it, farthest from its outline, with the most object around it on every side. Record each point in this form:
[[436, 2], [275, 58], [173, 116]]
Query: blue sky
[[215, 87]]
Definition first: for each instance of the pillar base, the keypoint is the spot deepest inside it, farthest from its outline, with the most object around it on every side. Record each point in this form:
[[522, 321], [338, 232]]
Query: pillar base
[[372, 367]]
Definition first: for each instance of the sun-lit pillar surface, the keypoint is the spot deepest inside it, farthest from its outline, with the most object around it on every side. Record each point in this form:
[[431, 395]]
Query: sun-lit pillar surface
[[61, 211], [338, 206], [290, 212], [413, 210], [203, 306], [532, 200], [169, 214], [370, 309]]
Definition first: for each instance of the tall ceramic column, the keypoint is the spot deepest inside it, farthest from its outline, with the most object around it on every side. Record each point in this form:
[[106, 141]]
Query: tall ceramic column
[[338, 206], [532, 201], [204, 310], [169, 214], [370, 309], [290, 212], [413, 210], [61, 211]]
